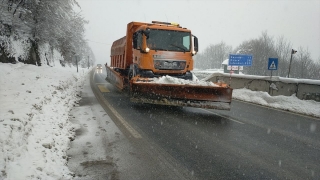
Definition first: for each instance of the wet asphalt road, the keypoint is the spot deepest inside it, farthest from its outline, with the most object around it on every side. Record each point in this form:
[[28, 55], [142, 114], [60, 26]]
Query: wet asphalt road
[[248, 142]]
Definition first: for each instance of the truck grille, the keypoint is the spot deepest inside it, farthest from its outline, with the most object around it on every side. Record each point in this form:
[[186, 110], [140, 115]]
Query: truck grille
[[169, 64]]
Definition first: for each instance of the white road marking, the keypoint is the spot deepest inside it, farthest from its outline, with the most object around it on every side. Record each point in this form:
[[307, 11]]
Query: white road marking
[[123, 122], [134, 133], [223, 116]]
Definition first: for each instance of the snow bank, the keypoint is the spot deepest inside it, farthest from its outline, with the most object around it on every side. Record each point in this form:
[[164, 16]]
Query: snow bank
[[290, 103], [34, 128]]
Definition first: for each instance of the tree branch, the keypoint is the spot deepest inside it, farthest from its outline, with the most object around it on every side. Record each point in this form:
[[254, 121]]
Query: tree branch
[[17, 7]]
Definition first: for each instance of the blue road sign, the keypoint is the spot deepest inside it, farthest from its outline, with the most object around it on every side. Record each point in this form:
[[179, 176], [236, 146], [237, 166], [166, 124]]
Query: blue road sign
[[273, 64], [240, 60]]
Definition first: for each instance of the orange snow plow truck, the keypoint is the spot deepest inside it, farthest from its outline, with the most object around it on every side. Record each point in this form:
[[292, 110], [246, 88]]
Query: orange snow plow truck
[[154, 63]]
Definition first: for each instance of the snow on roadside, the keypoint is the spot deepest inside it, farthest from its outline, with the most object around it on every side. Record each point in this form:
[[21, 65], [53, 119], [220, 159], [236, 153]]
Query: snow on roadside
[[34, 128], [35, 131], [290, 103]]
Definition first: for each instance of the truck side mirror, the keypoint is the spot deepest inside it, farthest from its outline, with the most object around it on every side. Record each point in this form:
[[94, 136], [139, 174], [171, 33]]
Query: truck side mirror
[[146, 33], [196, 46], [144, 48], [135, 41]]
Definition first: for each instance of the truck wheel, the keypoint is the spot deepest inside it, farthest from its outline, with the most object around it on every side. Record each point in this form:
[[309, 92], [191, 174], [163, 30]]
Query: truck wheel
[[130, 75]]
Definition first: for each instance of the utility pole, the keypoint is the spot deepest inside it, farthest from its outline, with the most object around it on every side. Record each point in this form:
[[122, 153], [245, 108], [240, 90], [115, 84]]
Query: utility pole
[[77, 62], [292, 52], [88, 62]]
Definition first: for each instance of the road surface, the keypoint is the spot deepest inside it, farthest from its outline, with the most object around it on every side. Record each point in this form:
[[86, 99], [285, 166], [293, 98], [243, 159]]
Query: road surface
[[248, 142]]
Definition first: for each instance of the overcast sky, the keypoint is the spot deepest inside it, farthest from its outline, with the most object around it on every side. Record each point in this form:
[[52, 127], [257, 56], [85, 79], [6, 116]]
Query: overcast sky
[[212, 21]]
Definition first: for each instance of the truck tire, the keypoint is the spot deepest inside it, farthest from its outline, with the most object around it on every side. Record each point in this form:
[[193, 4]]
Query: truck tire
[[130, 75]]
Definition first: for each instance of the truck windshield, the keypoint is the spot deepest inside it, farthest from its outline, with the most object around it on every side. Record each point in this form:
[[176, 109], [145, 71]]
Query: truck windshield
[[169, 40]]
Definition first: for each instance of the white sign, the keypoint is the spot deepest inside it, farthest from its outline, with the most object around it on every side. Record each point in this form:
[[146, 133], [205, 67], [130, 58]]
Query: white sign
[[235, 68], [273, 66]]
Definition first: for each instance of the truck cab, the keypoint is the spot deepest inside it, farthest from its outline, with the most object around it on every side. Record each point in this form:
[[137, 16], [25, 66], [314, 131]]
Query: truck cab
[[163, 49]]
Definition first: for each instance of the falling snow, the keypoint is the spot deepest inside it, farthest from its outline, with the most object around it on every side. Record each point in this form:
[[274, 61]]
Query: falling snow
[[36, 102]]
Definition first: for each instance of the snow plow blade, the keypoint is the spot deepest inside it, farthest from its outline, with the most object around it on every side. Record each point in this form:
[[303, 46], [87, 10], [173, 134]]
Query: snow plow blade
[[209, 97], [115, 78]]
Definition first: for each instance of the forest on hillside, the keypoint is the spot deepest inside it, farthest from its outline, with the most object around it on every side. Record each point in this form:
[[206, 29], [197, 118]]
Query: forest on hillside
[[45, 31], [263, 48]]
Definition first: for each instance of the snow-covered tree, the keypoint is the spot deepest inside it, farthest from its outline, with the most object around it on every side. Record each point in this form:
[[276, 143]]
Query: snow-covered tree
[[41, 22]]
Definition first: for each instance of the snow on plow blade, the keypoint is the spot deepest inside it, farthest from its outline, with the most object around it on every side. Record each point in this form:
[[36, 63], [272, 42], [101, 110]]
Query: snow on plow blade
[[210, 97]]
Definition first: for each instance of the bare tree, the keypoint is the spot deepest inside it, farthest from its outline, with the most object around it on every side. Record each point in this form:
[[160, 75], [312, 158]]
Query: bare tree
[[304, 61], [314, 70], [303, 66], [213, 56], [261, 49], [283, 50]]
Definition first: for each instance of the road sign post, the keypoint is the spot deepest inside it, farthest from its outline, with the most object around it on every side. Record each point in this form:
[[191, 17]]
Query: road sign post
[[292, 52], [77, 62], [272, 65], [88, 62]]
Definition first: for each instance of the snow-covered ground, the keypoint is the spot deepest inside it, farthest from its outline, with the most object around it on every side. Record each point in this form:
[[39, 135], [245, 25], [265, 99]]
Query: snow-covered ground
[[35, 127], [34, 123], [290, 103]]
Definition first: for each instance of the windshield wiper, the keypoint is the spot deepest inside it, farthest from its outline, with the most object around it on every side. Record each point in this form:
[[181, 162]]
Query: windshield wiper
[[183, 48], [161, 49]]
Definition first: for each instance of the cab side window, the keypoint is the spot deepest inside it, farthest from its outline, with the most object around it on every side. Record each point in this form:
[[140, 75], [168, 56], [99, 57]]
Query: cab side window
[[137, 40], [186, 42]]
